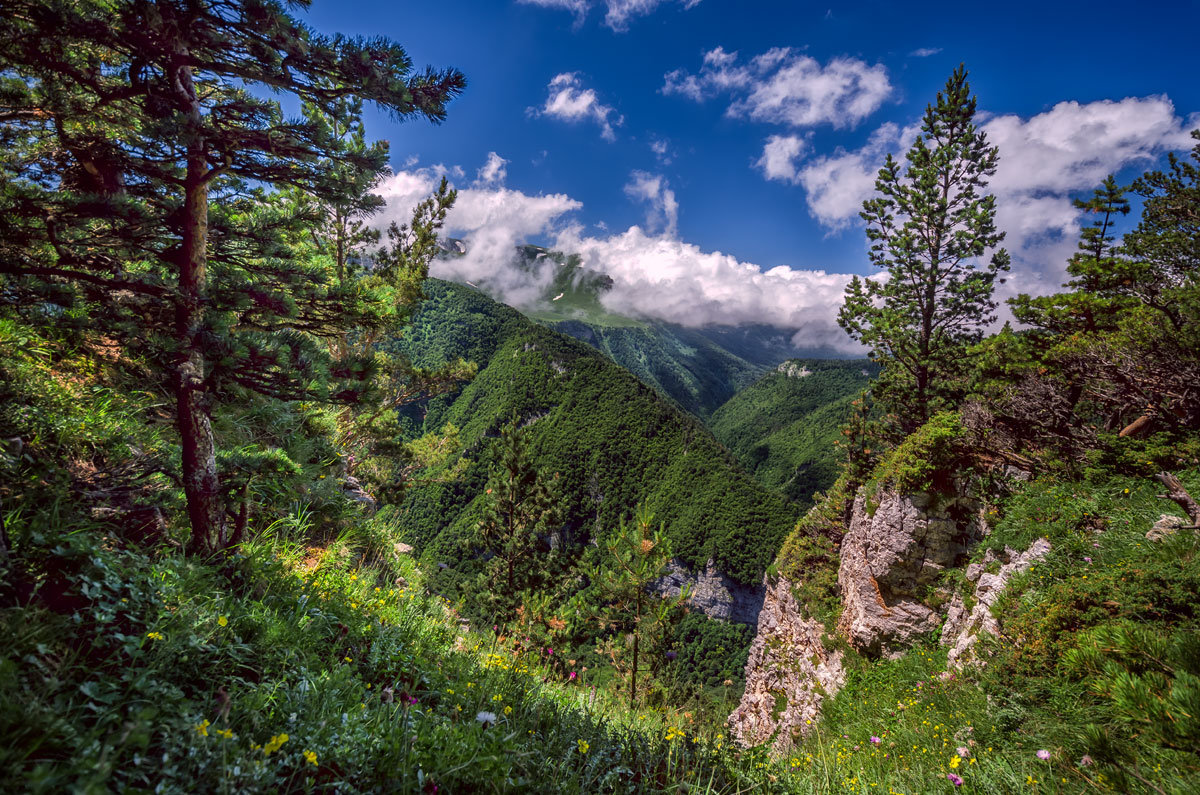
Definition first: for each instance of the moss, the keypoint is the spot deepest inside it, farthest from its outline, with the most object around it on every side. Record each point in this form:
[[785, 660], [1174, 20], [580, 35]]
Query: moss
[[922, 463]]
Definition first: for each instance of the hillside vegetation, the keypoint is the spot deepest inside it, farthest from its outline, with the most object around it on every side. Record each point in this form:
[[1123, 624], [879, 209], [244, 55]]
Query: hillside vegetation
[[784, 428], [610, 439]]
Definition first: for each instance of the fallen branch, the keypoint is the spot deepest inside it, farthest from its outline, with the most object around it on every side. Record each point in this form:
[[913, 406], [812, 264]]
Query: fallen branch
[[1179, 495]]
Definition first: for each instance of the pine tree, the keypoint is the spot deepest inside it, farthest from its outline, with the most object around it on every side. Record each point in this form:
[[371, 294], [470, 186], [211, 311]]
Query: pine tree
[[929, 227], [145, 150], [521, 509], [635, 557]]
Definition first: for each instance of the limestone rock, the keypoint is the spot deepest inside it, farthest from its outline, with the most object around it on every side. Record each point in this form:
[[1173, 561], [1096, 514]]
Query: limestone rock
[[891, 558], [794, 370], [963, 629], [788, 674], [354, 491], [712, 593], [1167, 525]]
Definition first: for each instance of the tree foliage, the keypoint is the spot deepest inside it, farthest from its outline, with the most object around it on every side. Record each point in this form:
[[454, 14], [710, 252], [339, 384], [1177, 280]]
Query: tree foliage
[[139, 150], [929, 228]]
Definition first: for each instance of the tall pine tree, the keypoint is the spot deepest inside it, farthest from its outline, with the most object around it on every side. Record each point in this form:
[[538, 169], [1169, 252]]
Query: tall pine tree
[[930, 227], [147, 140]]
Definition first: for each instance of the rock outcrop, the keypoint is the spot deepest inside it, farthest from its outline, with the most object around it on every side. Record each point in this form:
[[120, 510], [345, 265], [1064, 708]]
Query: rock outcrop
[[892, 557], [963, 627], [712, 593], [788, 674], [1167, 525]]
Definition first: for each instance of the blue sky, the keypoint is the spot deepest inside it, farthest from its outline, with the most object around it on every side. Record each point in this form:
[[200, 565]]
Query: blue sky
[[753, 127]]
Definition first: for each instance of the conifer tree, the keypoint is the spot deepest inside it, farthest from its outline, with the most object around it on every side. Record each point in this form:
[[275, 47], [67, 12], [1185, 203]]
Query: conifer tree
[[521, 508], [930, 226], [145, 147], [636, 556]]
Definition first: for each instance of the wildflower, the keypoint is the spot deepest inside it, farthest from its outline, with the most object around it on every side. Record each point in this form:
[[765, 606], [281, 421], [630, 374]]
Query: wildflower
[[348, 659], [955, 761], [671, 655], [875, 740], [674, 734], [727, 682], [311, 757], [154, 635], [1086, 761], [955, 780], [1087, 559], [225, 734], [508, 710], [1043, 754], [274, 744], [202, 728], [583, 746], [572, 676], [486, 718], [962, 750]]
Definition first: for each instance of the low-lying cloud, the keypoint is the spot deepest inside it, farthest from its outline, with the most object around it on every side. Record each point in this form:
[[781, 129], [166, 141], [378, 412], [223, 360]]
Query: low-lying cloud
[[655, 275]]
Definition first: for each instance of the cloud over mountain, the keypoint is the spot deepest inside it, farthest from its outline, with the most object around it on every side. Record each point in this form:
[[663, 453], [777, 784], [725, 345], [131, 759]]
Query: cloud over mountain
[[655, 275]]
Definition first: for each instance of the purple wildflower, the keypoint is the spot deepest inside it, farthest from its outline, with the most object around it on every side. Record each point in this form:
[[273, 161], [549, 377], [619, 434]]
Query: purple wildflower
[[671, 655], [956, 780], [1087, 559], [1086, 761], [875, 740], [1043, 754]]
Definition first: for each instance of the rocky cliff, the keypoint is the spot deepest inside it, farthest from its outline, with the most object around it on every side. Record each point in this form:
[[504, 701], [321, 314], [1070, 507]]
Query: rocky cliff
[[789, 673], [891, 559], [712, 593]]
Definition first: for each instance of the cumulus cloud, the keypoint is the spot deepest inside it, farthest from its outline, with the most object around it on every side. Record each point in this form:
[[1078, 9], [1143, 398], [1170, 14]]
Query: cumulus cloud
[[493, 172], [570, 102], [491, 219], [783, 86], [780, 153], [1044, 160], [655, 275], [662, 212], [677, 282], [617, 13]]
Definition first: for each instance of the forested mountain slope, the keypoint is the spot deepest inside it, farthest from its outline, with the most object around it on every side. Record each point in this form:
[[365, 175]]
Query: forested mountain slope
[[682, 363], [612, 441], [783, 427]]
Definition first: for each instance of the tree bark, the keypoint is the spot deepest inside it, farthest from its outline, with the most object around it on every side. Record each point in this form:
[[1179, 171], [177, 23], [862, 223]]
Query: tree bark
[[201, 484], [1177, 493]]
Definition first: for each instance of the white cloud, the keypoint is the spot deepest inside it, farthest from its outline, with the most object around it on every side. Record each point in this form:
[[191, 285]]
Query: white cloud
[[655, 276], [780, 153], [570, 102], [491, 219], [676, 281], [662, 213], [661, 148], [493, 172], [1044, 160], [925, 52], [617, 12], [785, 87]]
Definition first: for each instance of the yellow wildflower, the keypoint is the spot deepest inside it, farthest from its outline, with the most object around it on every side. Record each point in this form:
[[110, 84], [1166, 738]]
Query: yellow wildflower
[[583, 746], [508, 710], [222, 620], [311, 757], [225, 734], [154, 635], [955, 761], [275, 743], [202, 728]]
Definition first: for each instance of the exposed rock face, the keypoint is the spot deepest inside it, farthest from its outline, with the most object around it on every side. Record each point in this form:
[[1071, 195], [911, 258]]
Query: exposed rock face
[[713, 594], [963, 629], [788, 675], [794, 370], [891, 558], [1167, 525]]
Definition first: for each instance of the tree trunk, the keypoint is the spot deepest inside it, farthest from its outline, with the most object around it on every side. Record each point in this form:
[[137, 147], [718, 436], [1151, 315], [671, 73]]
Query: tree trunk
[[201, 485], [1177, 493]]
